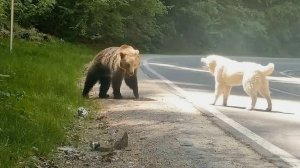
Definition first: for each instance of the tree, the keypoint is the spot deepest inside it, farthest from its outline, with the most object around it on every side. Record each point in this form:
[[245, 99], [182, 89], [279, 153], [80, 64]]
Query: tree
[[29, 12], [283, 27], [3, 16], [216, 25], [109, 22], [190, 26]]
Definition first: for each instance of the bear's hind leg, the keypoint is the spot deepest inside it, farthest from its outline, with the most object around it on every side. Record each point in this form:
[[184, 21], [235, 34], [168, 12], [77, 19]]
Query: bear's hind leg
[[90, 81], [104, 86], [116, 84]]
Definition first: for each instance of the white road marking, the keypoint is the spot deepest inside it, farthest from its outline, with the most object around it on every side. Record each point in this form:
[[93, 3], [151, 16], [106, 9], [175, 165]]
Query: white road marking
[[285, 156], [285, 73], [178, 67], [281, 91]]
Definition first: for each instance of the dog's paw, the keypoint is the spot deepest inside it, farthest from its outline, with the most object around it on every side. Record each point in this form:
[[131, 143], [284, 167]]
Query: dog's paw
[[250, 108], [269, 109]]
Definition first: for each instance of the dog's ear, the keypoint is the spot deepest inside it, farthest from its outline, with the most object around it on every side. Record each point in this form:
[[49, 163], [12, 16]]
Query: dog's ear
[[212, 65]]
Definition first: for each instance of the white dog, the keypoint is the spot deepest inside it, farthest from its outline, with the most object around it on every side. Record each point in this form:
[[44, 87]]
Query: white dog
[[230, 73]]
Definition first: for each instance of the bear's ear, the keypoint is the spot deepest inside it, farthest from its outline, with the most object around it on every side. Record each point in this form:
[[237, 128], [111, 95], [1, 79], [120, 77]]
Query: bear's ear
[[122, 55], [137, 52], [124, 46]]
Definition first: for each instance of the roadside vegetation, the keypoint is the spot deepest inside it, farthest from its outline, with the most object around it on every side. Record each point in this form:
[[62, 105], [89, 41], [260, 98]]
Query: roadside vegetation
[[39, 96]]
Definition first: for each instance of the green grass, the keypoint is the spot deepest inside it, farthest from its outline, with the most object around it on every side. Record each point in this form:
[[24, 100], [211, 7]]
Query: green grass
[[39, 98]]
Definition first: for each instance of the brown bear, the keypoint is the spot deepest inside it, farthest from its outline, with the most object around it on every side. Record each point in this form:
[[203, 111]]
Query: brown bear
[[111, 66]]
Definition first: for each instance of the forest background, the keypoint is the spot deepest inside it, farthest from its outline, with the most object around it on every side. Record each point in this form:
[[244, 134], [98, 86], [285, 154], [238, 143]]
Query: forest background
[[238, 27]]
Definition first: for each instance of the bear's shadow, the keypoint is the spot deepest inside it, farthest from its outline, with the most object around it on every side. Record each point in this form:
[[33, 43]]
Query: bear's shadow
[[125, 98]]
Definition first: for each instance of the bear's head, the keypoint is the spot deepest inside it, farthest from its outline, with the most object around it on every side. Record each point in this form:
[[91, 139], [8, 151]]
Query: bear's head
[[130, 59]]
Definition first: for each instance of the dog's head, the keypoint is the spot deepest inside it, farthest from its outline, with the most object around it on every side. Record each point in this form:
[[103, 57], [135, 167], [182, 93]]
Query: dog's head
[[210, 63]]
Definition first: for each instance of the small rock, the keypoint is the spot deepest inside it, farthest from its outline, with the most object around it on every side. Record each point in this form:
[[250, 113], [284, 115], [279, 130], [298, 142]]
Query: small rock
[[82, 112], [82, 158], [122, 143], [106, 149], [95, 146], [86, 164], [110, 140], [76, 156], [143, 138], [108, 157], [68, 150], [99, 118], [185, 143], [35, 149]]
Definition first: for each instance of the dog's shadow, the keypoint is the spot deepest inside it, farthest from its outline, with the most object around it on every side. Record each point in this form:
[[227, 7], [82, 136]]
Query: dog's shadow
[[257, 110]]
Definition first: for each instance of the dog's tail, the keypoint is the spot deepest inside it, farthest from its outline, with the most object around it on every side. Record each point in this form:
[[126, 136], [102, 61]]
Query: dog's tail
[[268, 69]]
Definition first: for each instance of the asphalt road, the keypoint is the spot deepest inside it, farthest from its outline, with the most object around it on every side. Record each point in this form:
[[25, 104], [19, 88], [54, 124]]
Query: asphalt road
[[279, 129]]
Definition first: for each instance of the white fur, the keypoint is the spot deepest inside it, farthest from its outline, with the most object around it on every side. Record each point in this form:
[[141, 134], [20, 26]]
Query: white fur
[[230, 73]]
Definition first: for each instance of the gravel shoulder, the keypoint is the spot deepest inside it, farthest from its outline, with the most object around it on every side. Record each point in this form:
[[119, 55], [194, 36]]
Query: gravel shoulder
[[163, 131]]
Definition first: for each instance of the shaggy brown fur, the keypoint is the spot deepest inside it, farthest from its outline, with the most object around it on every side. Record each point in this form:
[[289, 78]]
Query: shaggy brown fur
[[111, 66]]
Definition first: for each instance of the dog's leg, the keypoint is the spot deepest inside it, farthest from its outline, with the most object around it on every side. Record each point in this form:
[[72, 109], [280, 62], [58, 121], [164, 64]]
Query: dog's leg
[[253, 101], [218, 92], [265, 92], [251, 83], [226, 93], [268, 98]]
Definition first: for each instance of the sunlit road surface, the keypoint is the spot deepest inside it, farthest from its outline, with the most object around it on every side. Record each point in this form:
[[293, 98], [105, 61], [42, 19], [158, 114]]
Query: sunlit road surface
[[279, 129]]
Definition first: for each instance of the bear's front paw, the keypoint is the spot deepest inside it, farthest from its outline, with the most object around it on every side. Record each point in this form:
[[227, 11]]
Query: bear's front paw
[[103, 96], [118, 97], [136, 96], [85, 96]]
